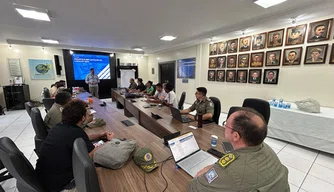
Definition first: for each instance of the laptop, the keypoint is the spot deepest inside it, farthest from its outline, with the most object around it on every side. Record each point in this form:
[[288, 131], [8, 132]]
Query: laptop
[[177, 115], [188, 155]]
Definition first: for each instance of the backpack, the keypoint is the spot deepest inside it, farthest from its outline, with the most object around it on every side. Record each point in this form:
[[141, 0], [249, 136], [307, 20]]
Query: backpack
[[2, 112]]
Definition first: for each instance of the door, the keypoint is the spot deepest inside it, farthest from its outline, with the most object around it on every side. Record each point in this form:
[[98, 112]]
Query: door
[[167, 73]]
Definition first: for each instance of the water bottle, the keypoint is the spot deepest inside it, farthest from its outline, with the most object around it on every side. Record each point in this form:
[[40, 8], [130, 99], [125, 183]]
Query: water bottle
[[118, 86], [199, 120]]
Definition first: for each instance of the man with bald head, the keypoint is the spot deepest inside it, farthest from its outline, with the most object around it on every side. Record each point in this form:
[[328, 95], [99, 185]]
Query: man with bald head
[[252, 166]]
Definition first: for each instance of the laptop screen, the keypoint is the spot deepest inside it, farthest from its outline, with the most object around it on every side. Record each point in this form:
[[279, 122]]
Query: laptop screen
[[183, 146]]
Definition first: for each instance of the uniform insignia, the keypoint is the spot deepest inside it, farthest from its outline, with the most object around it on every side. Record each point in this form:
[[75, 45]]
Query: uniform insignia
[[211, 105], [226, 159], [211, 175]]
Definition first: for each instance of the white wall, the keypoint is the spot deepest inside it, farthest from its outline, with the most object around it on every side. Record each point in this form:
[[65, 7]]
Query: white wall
[[135, 58]]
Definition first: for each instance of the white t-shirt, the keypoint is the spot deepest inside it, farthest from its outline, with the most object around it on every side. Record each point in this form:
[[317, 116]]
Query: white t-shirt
[[171, 99], [161, 96]]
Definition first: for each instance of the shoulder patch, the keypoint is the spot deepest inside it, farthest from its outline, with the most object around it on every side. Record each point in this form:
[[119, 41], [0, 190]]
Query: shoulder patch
[[211, 175], [226, 159]]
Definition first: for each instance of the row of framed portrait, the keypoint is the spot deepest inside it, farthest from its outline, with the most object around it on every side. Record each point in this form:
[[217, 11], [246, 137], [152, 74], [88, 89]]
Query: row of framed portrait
[[318, 31], [253, 76], [314, 55]]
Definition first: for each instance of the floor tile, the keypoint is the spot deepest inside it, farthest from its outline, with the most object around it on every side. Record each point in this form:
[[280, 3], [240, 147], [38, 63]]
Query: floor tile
[[27, 149], [274, 143], [295, 176], [24, 142], [313, 184], [9, 184], [302, 190], [295, 161], [26, 136], [326, 160], [276, 150], [303, 152], [323, 173], [293, 188]]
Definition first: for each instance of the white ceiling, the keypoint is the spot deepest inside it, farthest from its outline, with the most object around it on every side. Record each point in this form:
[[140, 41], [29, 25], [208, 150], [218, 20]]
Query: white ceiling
[[122, 24]]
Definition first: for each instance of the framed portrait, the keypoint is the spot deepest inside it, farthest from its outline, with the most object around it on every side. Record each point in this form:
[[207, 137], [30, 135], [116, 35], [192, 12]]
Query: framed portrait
[[319, 31], [292, 56], [221, 62], [275, 38], [255, 76], [243, 60], [259, 41], [220, 75], [230, 75], [211, 75], [242, 76], [271, 76], [213, 49], [257, 59], [232, 61], [232, 46], [212, 62], [222, 47], [245, 43], [316, 54], [273, 58], [331, 60], [295, 35]]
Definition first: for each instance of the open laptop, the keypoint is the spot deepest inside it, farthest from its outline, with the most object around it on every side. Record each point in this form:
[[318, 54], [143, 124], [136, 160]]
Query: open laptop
[[177, 115], [188, 155]]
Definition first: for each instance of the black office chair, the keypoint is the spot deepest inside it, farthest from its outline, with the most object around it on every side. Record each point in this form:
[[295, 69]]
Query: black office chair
[[19, 167], [217, 109], [46, 93], [84, 172], [260, 106], [182, 99], [4, 176], [28, 105], [232, 110], [39, 127], [48, 102]]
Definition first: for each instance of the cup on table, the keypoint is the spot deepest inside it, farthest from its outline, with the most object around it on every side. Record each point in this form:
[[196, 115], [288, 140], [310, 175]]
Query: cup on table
[[90, 100], [288, 105], [214, 139]]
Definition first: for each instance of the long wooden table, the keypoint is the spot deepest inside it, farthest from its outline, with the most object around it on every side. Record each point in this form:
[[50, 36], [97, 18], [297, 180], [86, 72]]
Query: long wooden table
[[130, 177]]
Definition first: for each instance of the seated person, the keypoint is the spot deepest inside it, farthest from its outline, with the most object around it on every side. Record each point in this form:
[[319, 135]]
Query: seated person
[[54, 166], [170, 99], [202, 105], [132, 85], [140, 86], [252, 166], [54, 89], [149, 89], [159, 96]]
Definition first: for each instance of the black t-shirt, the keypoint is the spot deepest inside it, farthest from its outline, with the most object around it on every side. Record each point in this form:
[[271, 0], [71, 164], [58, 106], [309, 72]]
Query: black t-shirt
[[141, 87], [54, 166]]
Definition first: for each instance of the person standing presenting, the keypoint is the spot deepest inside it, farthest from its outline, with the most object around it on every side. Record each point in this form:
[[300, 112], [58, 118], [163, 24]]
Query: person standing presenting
[[93, 82]]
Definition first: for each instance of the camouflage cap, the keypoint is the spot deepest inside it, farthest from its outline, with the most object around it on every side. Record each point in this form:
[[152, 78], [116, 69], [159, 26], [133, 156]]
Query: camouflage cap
[[145, 160]]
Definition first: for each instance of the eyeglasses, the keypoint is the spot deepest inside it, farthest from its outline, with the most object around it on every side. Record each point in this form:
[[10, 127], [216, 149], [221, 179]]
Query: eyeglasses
[[224, 125]]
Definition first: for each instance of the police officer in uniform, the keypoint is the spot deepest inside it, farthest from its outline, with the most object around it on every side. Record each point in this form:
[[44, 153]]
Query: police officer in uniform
[[252, 167], [202, 105]]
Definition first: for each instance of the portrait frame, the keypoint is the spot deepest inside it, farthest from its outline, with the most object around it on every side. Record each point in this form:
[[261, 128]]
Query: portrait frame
[[217, 76], [220, 52], [270, 43], [238, 80], [229, 42], [276, 76], [228, 61], [227, 78], [250, 73], [240, 57], [262, 43], [323, 54], [299, 52], [213, 77], [213, 51], [241, 47], [301, 39], [256, 64], [312, 27], [278, 58], [218, 62], [331, 59], [211, 65]]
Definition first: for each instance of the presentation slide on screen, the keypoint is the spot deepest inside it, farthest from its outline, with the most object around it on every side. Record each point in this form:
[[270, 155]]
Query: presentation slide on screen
[[186, 68], [82, 63]]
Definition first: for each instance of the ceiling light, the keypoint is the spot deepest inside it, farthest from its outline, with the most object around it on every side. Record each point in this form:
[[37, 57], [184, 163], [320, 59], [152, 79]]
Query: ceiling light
[[111, 55], [32, 13], [167, 38], [158, 58], [9, 46], [211, 41], [243, 33], [268, 3], [137, 48], [51, 41], [71, 52], [294, 22]]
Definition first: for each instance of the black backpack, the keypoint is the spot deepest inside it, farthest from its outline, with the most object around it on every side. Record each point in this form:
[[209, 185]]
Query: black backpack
[[2, 112]]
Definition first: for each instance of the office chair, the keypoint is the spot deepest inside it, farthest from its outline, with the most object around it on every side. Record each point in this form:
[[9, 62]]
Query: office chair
[[46, 93], [48, 102], [182, 99], [39, 127], [19, 167], [28, 105], [83, 168], [260, 106], [217, 109], [4, 176], [232, 110]]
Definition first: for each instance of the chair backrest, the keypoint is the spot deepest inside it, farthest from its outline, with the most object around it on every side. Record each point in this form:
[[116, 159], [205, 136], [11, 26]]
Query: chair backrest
[[260, 106], [39, 127], [28, 105], [182, 99], [48, 102], [232, 110], [217, 109], [84, 172], [19, 167], [46, 93]]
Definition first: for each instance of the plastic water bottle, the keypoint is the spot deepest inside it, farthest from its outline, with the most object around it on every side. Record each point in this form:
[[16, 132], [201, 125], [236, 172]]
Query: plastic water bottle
[[118, 86]]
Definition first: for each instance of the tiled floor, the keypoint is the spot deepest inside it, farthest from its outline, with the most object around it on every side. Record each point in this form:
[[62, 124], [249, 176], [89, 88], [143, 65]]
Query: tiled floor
[[309, 170]]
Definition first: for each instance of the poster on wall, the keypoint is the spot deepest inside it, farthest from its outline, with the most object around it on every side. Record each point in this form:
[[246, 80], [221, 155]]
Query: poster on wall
[[14, 67], [41, 69]]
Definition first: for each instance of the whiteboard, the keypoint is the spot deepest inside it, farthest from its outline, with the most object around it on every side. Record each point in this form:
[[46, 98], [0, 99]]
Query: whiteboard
[[126, 75]]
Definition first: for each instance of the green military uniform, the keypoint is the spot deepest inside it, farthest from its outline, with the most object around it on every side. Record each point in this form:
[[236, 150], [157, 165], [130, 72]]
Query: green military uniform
[[251, 169], [205, 106]]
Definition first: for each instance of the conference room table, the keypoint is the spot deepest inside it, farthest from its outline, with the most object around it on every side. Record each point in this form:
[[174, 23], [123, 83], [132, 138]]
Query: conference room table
[[130, 177]]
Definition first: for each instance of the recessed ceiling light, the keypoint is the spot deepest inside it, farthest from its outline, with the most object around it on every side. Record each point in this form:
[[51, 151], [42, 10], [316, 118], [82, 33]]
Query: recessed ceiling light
[[268, 3], [137, 48], [51, 41], [167, 38], [111, 55], [9, 46], [71, 52], [31, 13]]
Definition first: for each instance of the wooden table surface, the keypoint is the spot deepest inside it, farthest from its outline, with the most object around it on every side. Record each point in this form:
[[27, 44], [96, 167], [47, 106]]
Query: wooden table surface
[[130, 177]]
